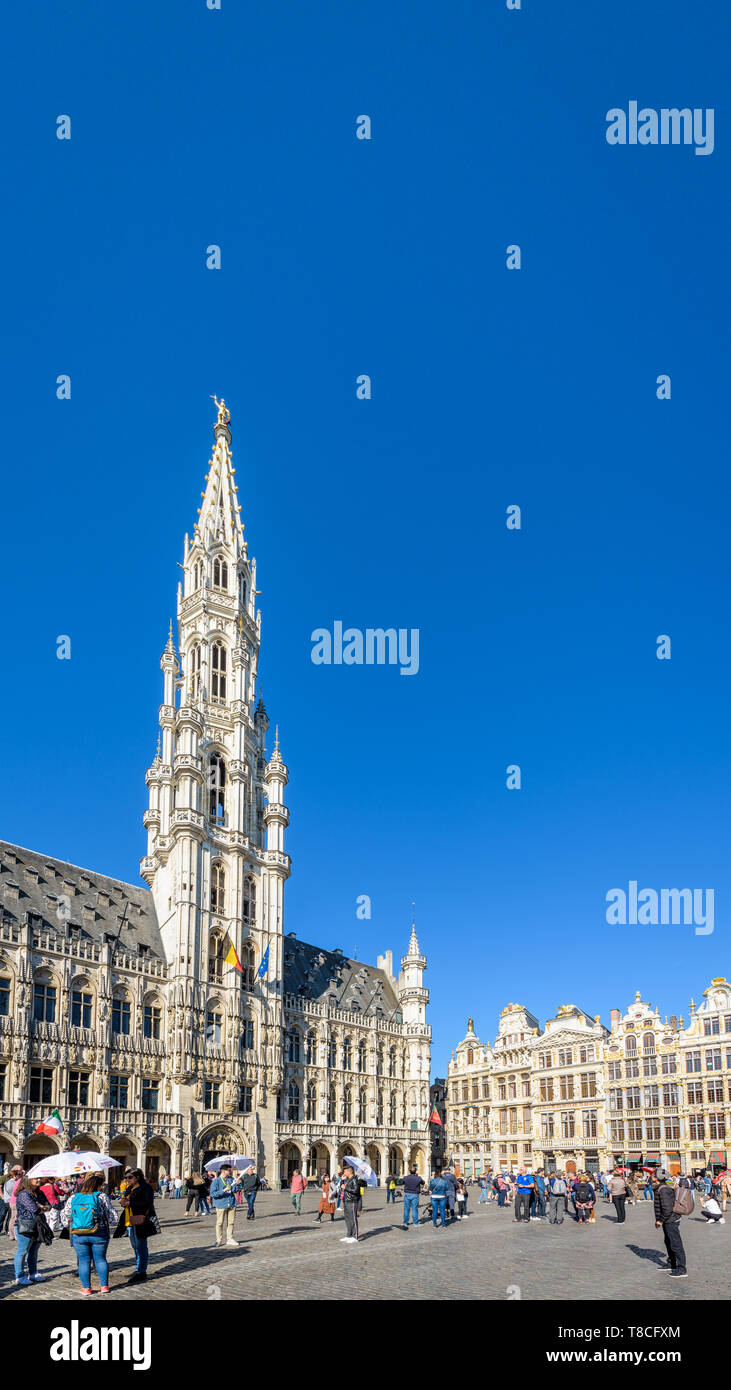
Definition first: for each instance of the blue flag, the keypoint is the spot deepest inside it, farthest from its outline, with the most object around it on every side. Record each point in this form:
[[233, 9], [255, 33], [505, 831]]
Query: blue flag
[[261, 972]]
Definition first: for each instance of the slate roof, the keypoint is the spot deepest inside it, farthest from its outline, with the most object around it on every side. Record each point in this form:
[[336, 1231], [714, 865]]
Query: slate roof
[[97, 902], [349, 984]]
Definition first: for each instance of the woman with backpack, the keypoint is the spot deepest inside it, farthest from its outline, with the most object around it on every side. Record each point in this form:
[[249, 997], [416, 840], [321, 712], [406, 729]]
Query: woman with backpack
[[138, 1219], [30, 1206], [87, 1216], [584, 1199]]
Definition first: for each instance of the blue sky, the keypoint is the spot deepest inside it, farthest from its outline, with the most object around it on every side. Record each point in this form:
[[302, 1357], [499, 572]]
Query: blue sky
[[490, 388]]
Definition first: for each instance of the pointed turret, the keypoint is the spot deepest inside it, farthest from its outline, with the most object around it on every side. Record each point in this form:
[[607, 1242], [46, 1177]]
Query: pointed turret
[[414, 997]]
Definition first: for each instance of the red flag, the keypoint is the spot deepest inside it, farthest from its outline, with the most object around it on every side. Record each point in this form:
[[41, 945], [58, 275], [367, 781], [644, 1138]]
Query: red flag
[[434, 1118]]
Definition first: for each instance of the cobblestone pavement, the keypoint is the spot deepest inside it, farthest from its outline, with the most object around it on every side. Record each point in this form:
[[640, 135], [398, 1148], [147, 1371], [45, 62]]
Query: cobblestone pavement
[[487, 1256]]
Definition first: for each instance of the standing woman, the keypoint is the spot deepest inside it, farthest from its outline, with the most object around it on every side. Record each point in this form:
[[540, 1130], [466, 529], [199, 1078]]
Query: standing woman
[[87, 1216], [326, 1206], [618, 1191], [30, 1204], [138, 1219]]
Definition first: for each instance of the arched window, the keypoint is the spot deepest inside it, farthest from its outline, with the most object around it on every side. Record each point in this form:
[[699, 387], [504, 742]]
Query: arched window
[[630, 1046], [470, 1056], [82, 1004], [392, 1061], [293, 1101], [194, 670], [220, 573], [332, 1054], [217, 788], [243, 591], [218, 887], [331, 1106], [311, 1101], [6, 985], [362, 1107], [648, 1042], [196, 576], [293, 1046], [311, 1048], [347, 1054], [392, 1109], [248, 910], [247, 965], [248, 1035], [361, 1056], [152, 1018], [218, 673], [379, 1108], [379, 1062], [215, 956], [121, 1012], [214, 1023], [44, 997], [348, 1105]]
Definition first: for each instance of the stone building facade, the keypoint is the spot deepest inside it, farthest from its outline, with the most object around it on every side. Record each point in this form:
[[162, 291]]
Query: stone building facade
[[172, 1023], [648, 1090]]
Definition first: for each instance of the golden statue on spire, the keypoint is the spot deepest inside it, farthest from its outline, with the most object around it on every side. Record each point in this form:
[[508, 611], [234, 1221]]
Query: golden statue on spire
[[224, 414]]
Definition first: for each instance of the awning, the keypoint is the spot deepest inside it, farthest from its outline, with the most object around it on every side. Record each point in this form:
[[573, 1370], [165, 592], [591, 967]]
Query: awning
[[717, 1156], [652, 1158], [634, 1155]]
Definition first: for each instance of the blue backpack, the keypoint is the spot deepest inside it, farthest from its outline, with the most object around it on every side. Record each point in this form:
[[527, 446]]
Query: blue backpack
[[87, 1218]]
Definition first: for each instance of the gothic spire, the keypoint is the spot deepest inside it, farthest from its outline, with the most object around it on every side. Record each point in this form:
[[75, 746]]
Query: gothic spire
[[219, 517]]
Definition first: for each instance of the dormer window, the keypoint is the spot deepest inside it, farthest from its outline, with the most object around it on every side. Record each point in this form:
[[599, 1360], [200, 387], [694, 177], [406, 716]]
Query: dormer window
[[220, 573]]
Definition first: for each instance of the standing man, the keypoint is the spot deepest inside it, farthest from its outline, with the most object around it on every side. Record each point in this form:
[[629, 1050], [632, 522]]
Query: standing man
[[412, 1187], [556, 1195], [297, 1186], [250, 1185], [539, 1206], [667, 1218], [482, 1184], [451, 1181], [350, 1188], [523, 1190], [439, 1189], [223, 1196]]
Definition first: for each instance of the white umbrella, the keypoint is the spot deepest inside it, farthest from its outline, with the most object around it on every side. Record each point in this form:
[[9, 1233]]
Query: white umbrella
[[73, 1161], [363, 1170], [237, 1161]]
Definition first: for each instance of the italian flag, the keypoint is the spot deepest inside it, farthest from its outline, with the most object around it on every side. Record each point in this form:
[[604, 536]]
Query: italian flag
[[53, 1124], [434, 1118]]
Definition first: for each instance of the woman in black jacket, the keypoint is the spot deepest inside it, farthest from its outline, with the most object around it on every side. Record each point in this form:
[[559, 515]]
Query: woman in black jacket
[[138, 1218]]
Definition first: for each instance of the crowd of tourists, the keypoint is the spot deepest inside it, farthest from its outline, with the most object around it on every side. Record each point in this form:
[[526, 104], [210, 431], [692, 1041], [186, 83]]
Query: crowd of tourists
[[90, 1209]]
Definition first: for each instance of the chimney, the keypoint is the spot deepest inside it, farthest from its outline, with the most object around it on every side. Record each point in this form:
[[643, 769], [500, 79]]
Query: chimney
[[615, 1019], [385, 963]]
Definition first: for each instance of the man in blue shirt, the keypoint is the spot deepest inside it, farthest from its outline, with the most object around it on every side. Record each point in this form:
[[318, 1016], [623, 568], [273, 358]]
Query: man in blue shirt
[[524, 1188], [223, 1195], [439, 1189]]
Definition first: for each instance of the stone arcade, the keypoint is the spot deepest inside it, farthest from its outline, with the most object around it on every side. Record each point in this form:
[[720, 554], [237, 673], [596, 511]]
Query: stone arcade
[[121, 1006]]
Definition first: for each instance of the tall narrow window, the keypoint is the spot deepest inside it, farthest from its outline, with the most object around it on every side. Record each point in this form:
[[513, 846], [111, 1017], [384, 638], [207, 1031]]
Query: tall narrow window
[[247, 965], [243, 591], [220, 573], [347, 1054], [312, 1101], [348, 1105], [218, 886], [215, 956], [248, 906], [216, 788], [196, 577], [293, 1101], [194, 671], [218, 673], [362, 1107]]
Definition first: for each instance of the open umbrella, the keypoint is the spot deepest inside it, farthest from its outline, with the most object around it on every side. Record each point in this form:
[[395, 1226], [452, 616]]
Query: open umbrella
[[73, 1161], [237, 1161], [363, 1170]]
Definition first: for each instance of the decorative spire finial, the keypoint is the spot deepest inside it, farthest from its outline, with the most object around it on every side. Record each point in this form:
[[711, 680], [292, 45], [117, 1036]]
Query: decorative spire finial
[[224, 414], [276, 738]]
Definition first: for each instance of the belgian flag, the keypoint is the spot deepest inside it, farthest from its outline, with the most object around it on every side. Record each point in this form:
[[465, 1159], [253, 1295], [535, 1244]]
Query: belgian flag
[[228, 951]]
